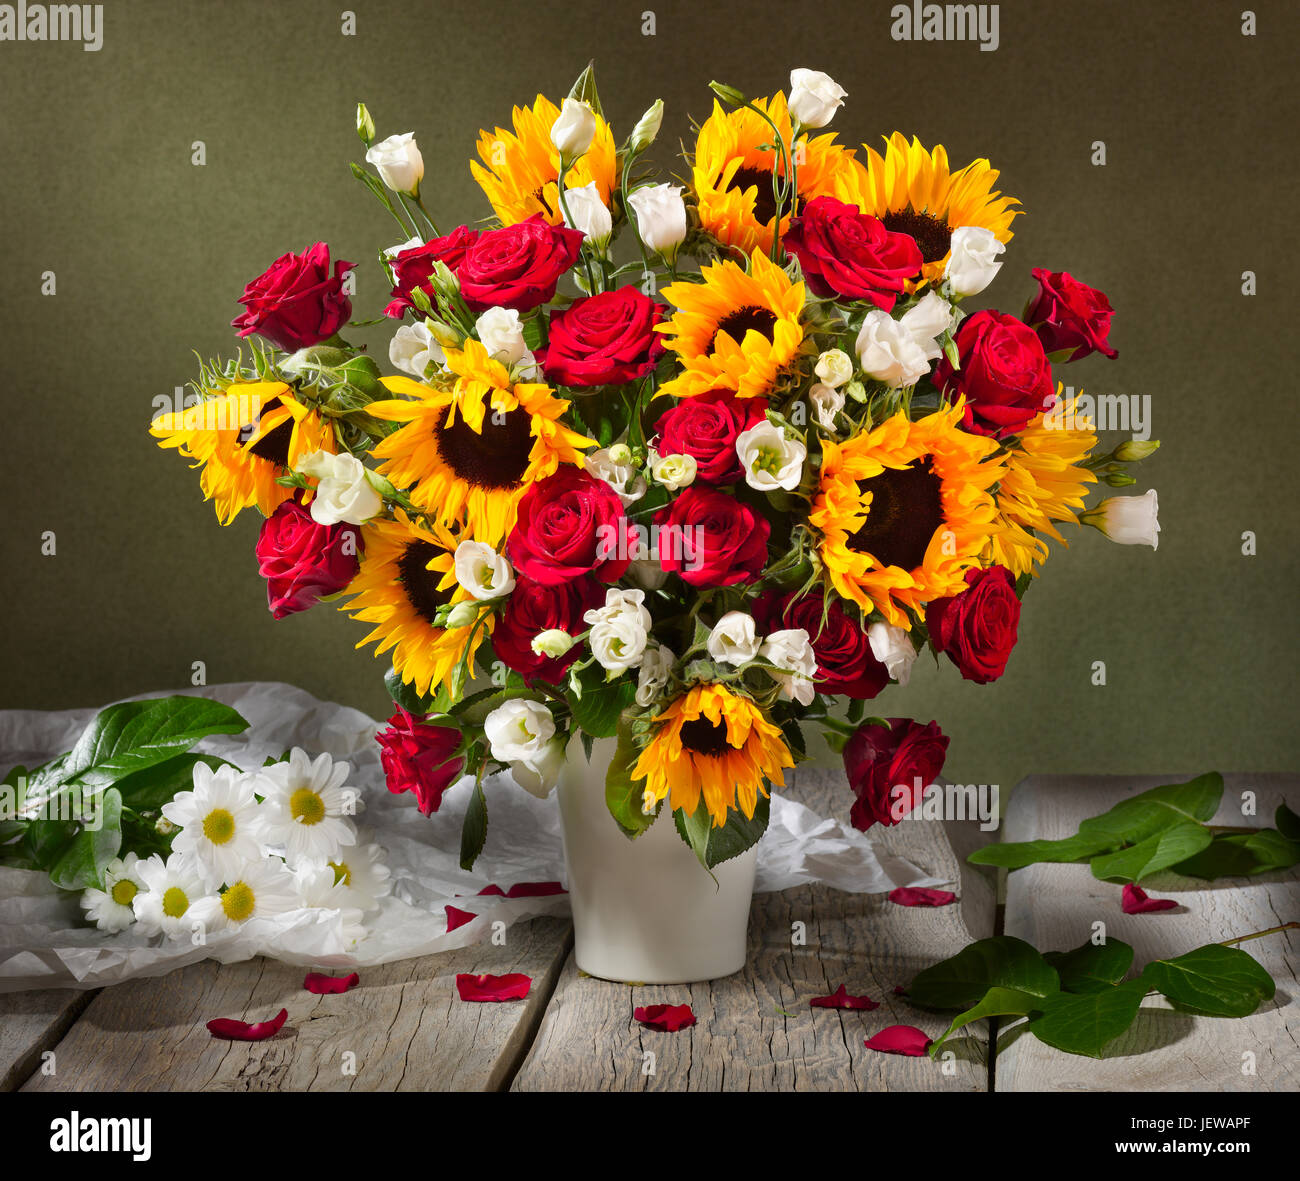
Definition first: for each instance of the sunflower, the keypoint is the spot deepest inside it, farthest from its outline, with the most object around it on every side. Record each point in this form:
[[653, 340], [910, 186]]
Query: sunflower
[[471, 451], [1043, 482], [913, 192], [243, 438], [407, 572], [732, 172], [904, 511], [520, 171], [716, 742], [735, 330]]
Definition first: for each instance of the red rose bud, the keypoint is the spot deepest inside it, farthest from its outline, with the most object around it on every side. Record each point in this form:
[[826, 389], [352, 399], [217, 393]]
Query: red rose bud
[[517, 266], [296, 303], [846, 665], [706, 427], [850, 254], [1070, 316], [889, 768], [419, 758], [412, 268], [303, 561], [711, 539], [605, 339], [1005, 375], [533, 608], [568, 525], [977, 628]]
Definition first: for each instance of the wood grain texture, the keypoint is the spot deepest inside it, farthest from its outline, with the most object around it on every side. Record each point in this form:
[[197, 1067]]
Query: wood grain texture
[[1054, 906], [405, 1026], [31, 1023]]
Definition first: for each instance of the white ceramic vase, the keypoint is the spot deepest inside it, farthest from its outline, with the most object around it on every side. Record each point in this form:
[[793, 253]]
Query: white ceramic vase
[[645, 910]]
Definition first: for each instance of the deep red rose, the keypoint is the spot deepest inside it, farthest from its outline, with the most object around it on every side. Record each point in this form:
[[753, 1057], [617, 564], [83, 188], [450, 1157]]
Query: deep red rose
[[905, 756], [1004, 374], [711, 539], [533, 608], [977, 628], [604, 339], [303, 561], [845, 663], [419, 758], [412, 268], [706, 427], [571, 524], [1068, 314], [296, 302], [517, 266], [846, 253]]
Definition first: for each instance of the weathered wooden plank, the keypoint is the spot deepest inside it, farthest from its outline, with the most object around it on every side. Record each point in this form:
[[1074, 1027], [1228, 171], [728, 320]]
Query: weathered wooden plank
[[1054, 906], [31, 1023], [404, 1027]]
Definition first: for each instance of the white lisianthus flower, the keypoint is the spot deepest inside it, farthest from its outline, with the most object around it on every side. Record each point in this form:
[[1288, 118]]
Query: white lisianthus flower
[[770, 459], [674, 472], [260, 889], [553, 642], [345, 491], [1128, 520], [319, 888], [613, 466], [361, 869], [539, 774], [221, 825], [413, 349], [927, 321], [834, 368], [655, 669], [734, 639], [660, 217], [483, 572], [306, 807], [502, 335], [409, 244], [398, 161], [574, 130], [620, 604], [791, 651], [618, 644], [171, 887], [112, 908], [814, 97], [827, 403], [588, 213], [892, 646], [517, 730], [889, 352], [973, 260]]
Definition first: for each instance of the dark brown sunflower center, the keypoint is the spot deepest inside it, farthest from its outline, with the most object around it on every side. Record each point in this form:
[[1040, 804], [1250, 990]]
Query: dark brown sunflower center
[[421, 585], [931, 234], [906, 508], [274, 445], [704, 737], [495, 458], [760, 179], [736, 324]]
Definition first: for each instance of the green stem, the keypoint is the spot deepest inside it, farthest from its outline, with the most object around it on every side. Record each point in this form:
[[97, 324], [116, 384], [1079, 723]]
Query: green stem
[[432, 226], [1292, 926]]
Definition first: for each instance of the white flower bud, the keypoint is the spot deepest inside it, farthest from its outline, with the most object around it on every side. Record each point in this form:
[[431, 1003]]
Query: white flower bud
[[1128, 520], [660, 217], [674, 472], [413, 349], [834, 367], [553, 642], [892, 646], [344, 491], [734, 639], [398, 161], [888, 351], [814, 97], [973, 260], [574, 130], [588, 213]]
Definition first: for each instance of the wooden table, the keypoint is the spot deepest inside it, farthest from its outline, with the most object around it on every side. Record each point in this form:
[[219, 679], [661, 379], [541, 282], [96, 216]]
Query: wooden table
[[405, 1029]]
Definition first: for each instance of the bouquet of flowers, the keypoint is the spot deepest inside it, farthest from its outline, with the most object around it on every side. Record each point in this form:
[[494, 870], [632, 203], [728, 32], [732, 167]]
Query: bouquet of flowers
[[688, 468]]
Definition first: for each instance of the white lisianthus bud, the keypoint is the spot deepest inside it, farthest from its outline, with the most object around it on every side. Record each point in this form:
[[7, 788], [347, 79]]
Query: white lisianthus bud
[[620, 453], [770, 459], [889, 352], [398, 161], [365, 125], [834, 368], [647, 127], [483, 572], [344, 491], [618, 473], [574, 130], [674, 472], [1128, 520], [553, 642], [656, 666], [791, 651], [973, 260], [814, 97], [927, 321], [827, 403], [502, 335], [588, 213], [517, 730], [660, 217], [539, 774], [413, 349], [462, 615], [734, 639], [892, 646], [1131, 450]]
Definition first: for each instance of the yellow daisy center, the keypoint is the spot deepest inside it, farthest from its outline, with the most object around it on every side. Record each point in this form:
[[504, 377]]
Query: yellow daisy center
[[123, 891], [306, 806], [238, 902], [342, 873], [219, 826], [175, 902]]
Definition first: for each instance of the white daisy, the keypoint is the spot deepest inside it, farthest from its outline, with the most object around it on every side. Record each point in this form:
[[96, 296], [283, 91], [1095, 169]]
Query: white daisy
[[171, 888], [321, 889], [362, 872], [110, 908], [305, 807], [261, 889], [221, 828]]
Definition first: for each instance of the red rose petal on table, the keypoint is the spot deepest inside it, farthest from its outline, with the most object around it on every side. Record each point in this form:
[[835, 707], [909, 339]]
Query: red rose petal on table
[[491, 890], [670, 1018], [840, 999], [899, 990], [511, 987], [232, 1030], [458, 918], [323, 985], [1137, 901], [535, 890], [921, 896], [900, 1039]]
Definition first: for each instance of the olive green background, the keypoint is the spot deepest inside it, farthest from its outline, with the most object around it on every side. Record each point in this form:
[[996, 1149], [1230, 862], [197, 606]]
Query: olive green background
[[151, 252]]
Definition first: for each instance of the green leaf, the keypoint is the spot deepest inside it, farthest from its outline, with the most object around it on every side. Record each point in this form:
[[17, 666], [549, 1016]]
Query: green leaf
[[602, 702], [584, 89], [694, 830], [712, 845], [1085, 1023], [1000, 962], [1241, 854], [82, 863], [623, 794], [1093, 967], [152, 787], [405, 695], [1216, 981], [473, 833], [1287, 823], [997, 1002], [1018, 854], [1152, 855]]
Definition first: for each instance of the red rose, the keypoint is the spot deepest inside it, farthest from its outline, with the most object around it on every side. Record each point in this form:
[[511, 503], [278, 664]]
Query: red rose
[[1068, 314], [517, 266], [706, 427], [533, 608], [571, 524], [845, 663], [412, 268], [604, 339], [850, 254], [303, 561], [977, 628], [890, 768], [419, 758], [1004, 374], [296, 302], [711, 539]]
